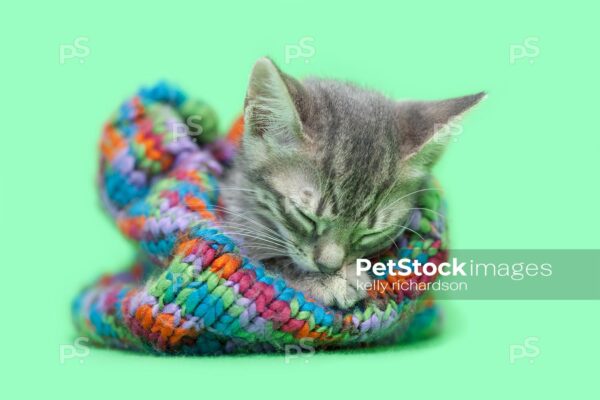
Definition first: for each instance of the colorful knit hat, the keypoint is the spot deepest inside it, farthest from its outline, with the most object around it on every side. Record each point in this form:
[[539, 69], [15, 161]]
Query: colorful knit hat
[[191, 290]]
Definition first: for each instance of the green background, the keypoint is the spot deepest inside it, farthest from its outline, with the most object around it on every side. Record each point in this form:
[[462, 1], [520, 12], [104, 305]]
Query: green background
[[522, 174]]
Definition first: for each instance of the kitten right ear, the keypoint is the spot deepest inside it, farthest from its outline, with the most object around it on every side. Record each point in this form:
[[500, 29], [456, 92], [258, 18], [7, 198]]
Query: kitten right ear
[[421, 121], [269, 109]]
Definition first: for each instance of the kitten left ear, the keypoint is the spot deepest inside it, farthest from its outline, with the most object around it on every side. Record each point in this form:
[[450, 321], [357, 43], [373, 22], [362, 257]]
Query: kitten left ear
[[270, 107], [426, 126]]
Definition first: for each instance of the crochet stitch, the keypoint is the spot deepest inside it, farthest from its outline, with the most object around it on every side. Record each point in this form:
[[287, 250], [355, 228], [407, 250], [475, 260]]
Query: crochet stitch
[[191, 290]]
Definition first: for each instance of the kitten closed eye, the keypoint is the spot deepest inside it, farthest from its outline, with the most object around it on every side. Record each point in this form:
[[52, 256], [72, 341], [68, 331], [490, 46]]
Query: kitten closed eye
[[374, 239], [302, 220]]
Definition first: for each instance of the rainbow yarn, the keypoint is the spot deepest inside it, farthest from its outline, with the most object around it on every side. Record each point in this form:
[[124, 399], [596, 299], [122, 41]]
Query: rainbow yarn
[[191, 291]]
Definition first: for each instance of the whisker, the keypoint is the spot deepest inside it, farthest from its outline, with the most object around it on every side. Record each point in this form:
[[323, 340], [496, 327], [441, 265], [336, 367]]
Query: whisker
[[239, 189], [226, 210], [425, 208], [393, 241], [275, 249], [233, 227], [274, 244], [405, 196], [413, 231]]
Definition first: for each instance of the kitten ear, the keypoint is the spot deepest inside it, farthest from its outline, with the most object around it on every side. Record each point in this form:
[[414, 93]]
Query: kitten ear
[[427, 126], [269, 109]]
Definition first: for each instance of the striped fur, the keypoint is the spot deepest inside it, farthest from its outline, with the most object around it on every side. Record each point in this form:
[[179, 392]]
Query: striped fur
[[333, 168]]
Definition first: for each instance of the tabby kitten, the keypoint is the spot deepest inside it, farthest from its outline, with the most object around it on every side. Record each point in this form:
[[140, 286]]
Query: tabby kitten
[[328, 173]]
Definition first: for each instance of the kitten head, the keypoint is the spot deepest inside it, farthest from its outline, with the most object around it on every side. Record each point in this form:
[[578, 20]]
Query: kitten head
[[334, 167]]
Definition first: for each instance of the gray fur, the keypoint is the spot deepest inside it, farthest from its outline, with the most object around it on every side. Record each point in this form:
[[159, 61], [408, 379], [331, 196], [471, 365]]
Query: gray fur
[[328, 173]]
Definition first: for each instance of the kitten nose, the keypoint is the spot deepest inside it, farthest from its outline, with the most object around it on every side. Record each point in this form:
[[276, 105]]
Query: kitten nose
[[329, 257]]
